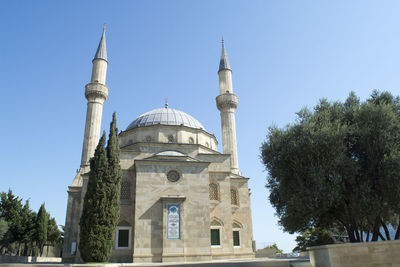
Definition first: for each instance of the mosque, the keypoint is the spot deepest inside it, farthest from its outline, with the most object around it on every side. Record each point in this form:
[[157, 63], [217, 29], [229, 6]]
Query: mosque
[[181, 199]]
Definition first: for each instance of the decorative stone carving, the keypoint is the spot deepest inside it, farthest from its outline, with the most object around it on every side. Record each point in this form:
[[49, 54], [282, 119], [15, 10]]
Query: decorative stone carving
[[125, 190], [214, 194], [173, 176]]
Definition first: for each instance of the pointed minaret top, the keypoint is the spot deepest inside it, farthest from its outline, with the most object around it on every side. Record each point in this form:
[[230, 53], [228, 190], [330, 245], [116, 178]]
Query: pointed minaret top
[[224, 62], [102, 50]]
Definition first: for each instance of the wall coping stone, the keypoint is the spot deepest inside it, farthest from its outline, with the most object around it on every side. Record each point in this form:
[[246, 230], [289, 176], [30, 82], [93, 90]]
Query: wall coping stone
[[378, 243]]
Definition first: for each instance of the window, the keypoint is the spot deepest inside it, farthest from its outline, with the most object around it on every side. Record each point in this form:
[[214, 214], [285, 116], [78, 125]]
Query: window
[[191, 140], [123, 237], [236, 238], [214, 192], [125, 190], [216, 226], [236, 227], [173, 176], [215, 237], [234, 197], [170, 139]]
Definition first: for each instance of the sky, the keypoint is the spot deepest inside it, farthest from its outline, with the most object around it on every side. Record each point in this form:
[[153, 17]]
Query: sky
[[285, 55]]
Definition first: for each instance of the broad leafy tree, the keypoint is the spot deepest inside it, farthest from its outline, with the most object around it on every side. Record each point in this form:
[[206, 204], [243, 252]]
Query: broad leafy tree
[[312, 237], [338, 165]]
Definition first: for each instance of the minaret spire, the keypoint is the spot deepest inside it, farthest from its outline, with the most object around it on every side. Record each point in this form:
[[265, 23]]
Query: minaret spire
[[224, 62], [96, 93], [227, 104], [101, 52]]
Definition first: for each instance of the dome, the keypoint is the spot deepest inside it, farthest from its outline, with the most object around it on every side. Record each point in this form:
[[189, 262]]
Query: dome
[[170, 153], [165, 116]]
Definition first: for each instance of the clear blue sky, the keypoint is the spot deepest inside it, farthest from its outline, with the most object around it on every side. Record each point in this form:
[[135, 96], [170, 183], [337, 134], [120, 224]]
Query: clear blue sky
[[284, 54]]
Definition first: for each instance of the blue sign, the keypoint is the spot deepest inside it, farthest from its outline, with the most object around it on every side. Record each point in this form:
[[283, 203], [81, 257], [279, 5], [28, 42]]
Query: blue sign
[[173, 221]]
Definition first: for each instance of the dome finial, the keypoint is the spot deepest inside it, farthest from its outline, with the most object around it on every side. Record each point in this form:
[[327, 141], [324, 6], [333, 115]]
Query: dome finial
[[166, 103]]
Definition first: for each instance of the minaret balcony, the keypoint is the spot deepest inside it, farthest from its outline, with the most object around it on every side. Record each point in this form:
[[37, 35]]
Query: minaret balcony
[[96, 91], [227, 100]]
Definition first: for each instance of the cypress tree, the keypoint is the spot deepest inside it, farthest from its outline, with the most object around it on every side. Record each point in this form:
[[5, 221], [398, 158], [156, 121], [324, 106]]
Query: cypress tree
[[114, 177], [41, 228], [28, 227], [93, 240], [101, 205]]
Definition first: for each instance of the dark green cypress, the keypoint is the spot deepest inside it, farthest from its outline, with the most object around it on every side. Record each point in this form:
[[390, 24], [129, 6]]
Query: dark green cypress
[[100, 213], [114, 178], [41, 228], [94, 239]]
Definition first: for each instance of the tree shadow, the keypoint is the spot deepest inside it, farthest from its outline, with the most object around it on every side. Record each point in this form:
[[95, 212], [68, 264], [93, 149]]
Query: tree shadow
[[155, 215]]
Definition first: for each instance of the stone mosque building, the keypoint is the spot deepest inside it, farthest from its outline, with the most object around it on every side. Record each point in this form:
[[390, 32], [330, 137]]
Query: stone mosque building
[[181, 199]]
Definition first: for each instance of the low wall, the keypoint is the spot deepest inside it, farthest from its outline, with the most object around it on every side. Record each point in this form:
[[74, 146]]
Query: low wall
[[24, 259], [265, 253], [385, 253]]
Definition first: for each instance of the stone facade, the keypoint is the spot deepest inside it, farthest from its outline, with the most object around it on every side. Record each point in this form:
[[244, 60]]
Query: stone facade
[[181, 199]]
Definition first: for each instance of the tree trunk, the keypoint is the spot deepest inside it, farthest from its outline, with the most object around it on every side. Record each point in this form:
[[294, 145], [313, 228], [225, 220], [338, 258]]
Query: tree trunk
[[367, 238], [375, 231], [25, 253], [31, 249], [361, 236], [397, 236], [350, 233], [381, 236], [386, 230], [357, 235]]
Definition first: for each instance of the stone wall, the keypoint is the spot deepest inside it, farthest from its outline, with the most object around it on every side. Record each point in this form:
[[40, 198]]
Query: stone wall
[[25, 259], [385, 253], [152, 192], [161, 133]]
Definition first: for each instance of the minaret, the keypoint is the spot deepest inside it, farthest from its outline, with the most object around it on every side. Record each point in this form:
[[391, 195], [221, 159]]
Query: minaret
[[227, 103], [96, 93]]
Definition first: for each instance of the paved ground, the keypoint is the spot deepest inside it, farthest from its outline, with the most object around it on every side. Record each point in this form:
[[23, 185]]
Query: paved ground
[[290, 262], [269, 263]]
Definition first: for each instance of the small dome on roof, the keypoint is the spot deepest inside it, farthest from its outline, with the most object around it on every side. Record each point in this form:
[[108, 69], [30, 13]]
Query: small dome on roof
[[170, 153], [165, 116]]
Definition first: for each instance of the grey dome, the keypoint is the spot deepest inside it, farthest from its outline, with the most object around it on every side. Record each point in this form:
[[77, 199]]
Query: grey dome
[[165, 116]]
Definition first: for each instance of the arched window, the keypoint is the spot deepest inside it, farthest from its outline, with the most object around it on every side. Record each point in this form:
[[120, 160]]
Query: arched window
[[216, 222], [234, 197], [191, 140], [215, 232], [214, 194], [236, 234]]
